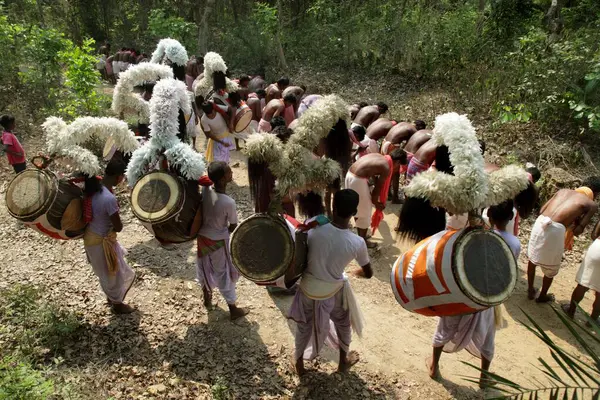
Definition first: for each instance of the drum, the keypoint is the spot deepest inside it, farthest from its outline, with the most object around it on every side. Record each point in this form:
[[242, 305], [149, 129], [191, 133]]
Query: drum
[[455, 272], [46, 204], [166, 204], [263, 249], [243, 117]]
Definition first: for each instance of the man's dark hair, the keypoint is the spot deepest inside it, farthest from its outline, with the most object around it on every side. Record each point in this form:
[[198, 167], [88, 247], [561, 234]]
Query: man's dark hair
[[282, 133], [345, 203], [290, 98], [442, 160], [526, 199], [359, 132], [261, 93], [593, 182], [399, 155], [502, 212], [283, 81], [382, 107], [310, 204], [482, 146], [207, 107], [115, 167], [7, 121], [277, 121], [534, 172], [362, 104], [420, 124], [244, 78], [338, 145], [148, 86], [219, 82], [235, 98], [217, 170]]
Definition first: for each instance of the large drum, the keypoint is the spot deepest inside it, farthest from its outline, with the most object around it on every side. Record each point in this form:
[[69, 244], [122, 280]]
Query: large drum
[[46, 204], [455, 272], [243, 117], [166, 205], [264, 251]]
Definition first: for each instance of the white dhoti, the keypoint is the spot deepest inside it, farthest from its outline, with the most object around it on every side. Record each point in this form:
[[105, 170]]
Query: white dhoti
[[116, 285], [589, 271], [215, 270], [473, 332], [325, 313], [546, 245], [361, 186]]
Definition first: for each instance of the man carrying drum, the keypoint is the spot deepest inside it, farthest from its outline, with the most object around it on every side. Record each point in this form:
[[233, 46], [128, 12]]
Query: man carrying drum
[[324, 286], [565, 215], [219, 219]]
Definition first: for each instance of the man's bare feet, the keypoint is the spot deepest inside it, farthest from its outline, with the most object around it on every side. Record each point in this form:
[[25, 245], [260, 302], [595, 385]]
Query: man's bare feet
[[531, 293], [351, 359], [122, 308], [299, 367], [545, 299], [567, 310], [237, 312], [434, 372]]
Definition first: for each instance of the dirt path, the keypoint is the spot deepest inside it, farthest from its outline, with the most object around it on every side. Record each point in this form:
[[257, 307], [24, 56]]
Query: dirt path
[[172, 348]]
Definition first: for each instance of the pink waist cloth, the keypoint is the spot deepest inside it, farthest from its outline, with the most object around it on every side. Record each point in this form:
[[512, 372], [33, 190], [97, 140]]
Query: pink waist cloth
[[415, 166], [264, 126]]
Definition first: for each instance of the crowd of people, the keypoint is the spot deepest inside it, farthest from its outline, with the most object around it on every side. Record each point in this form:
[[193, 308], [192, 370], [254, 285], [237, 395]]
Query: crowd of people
[[377, 155]]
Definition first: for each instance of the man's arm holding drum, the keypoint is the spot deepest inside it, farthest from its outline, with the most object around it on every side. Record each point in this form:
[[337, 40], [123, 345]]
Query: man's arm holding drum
[[115, 220]]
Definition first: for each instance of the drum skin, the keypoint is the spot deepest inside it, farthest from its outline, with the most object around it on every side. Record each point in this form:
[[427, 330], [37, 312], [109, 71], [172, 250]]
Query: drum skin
[[243, 117], [454, 273], [166, 205], [263, 250], [41, 201]]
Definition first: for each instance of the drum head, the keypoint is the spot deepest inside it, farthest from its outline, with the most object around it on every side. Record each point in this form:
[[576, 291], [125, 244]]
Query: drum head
[[109, 149], [262, 248], [485, 267], [156, 196], [30, 193], [243, 119]]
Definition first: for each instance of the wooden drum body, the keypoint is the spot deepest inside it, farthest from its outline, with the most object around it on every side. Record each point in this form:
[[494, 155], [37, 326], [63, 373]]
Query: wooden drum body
[[264, 251], [455, 272], [243, 117], [46, 204], [166, 205]]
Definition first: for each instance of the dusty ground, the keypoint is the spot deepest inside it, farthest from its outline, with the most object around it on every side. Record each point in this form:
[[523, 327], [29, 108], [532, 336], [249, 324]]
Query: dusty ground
[[173, 348]]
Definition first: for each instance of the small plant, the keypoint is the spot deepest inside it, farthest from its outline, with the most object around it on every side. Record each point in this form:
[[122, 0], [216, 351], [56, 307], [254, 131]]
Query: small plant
[[571, 379], [19, 381], [220, 390]]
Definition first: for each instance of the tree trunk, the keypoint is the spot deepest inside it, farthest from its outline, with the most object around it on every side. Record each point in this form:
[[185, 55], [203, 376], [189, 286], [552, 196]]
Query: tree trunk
[[281, 55], [203, 27], [481, 17], [554, 20], [235, 11]]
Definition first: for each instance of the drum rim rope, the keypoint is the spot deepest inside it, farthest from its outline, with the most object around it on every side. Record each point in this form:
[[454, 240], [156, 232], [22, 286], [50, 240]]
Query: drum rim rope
[[468, 289], [247, 111], [292, 245], [165, 217], [54, 184]]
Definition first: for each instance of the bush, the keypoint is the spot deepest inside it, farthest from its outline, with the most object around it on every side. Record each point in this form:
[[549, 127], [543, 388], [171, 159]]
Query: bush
[[19, 381]]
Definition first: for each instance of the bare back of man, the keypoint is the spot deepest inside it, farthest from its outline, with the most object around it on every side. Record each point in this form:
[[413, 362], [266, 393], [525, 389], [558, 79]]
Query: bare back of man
[[393, 140], [571, 209], [372, 166], [273, 108], [403, 131], [417, 140], [255, 106], [273, 92], [367, 115], [426, 153], [379, 128]]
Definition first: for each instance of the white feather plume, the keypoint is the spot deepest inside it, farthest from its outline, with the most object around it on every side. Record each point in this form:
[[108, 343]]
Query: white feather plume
[[172, 49]]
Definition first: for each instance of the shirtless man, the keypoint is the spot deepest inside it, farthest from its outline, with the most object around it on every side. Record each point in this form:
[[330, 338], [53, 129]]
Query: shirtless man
[[374, 166], [376, 130], [274, 108], [355, 108], [275, 90], [257, 83], [403, 131], [290, 112], [255, 101], [244, 90], [421, 160], [565, 215], [367, 115]]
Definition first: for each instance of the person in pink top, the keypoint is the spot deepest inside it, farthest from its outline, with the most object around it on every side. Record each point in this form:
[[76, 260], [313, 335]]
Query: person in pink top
[[12, 147]]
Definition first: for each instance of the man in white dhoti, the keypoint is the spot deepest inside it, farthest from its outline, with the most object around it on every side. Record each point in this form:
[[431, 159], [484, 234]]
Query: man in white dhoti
[[324, 308], [588, 277], [219, 218], [101, 212], [475, 332], [564, 216], [214, 126]]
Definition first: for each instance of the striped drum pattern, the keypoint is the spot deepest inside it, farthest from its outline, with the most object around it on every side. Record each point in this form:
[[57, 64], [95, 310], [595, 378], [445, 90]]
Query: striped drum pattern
[[455, 272]]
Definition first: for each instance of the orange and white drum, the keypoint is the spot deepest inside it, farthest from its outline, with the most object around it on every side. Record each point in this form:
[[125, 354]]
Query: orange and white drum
[[455, 272]]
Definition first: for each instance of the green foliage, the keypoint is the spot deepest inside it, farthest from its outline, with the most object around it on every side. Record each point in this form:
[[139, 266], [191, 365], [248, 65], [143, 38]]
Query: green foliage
[[32, 328], [19, 381], [78, 94], [161, 25], [568, 375], [220, 390]]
